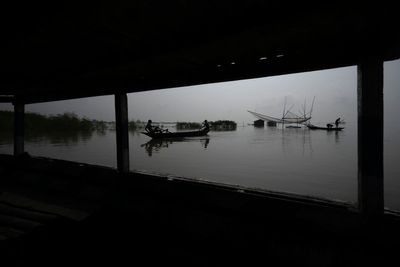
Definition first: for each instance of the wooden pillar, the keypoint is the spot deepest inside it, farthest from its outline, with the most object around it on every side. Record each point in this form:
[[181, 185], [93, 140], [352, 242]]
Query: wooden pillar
[[121, 124], [370, 139], [19, 128]]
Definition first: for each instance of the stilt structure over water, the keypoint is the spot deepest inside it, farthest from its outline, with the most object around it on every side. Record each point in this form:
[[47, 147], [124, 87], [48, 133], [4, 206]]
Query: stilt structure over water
[[68, 51], [287, 116]]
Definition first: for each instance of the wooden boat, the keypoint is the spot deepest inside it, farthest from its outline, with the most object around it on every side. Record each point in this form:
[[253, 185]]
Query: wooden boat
[[313, 127], [177, 134]]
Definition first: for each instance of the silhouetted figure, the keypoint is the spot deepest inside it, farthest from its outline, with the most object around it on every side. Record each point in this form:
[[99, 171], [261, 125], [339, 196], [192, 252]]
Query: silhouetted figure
[[337, 121], [149, 127], [329, 125], [205, 126], [154, 129]]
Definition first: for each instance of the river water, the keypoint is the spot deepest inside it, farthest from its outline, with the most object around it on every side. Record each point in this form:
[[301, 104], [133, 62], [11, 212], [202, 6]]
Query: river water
[[301, 161]]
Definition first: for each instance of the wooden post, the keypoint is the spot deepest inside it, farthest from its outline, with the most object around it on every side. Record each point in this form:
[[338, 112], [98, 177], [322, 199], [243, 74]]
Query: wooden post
[[121, 124], [19, 120], [370, 139]]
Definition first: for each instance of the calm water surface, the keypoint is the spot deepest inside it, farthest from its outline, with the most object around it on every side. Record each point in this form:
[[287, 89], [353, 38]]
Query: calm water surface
[[290, 160], [301, 161]]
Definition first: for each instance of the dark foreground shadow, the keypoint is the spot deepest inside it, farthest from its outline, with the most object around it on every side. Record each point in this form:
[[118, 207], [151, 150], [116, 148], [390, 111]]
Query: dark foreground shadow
[[142, 220]]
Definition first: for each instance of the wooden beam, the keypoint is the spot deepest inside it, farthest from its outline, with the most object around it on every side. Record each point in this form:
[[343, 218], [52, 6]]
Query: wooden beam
[[370, 138], [121, 123], [19, 128]]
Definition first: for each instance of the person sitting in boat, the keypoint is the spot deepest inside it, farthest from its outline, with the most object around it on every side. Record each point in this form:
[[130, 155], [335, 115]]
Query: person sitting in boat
[[337, 121], [205, 126], [149, 127], [154, 129], [329, 125]]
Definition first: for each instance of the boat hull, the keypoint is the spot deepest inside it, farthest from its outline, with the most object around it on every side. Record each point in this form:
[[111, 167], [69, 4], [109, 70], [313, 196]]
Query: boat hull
[[176, 134], [312, 127]]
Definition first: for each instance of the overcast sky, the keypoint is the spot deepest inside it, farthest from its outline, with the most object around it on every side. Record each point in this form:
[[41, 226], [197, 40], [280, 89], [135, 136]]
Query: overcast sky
[[335, 94]]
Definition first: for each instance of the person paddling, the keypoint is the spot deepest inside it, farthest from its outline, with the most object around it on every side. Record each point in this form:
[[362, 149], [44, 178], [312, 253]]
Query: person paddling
[[206, 126], [337, 121]]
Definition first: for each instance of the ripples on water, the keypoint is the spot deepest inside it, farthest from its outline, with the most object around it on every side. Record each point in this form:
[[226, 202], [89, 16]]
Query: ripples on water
[[301, 161], [290, 160]]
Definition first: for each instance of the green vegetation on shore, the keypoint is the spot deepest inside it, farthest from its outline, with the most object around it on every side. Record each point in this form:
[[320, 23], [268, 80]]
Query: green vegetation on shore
[[223, 125], [67, 122], [135, 125], [60, 122], [188, 125], [220, 125], [70, 122]]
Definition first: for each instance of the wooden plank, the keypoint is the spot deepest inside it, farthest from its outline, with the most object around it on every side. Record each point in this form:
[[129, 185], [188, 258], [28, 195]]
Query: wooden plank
[[18, 223], [24, 213]]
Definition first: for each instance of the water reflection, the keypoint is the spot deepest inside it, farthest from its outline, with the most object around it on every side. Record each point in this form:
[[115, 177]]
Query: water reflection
[[135, 133], [290, 160], [295, 139], [64, 138], [69, 138], [336, 136], [155, 145]]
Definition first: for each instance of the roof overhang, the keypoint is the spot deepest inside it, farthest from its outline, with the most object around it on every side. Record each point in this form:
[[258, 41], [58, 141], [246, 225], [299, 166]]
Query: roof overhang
[[66, 51]]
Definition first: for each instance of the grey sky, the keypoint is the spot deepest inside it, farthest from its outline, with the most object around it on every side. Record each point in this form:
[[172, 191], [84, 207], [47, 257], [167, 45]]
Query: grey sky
[[335, 94], [335, 91]]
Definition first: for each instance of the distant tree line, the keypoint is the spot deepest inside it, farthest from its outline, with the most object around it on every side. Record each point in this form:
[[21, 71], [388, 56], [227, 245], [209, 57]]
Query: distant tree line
[[134, 125], [70, 122], [67, 122], [223, 125], [60, 122], [214, 125], [187, 125]]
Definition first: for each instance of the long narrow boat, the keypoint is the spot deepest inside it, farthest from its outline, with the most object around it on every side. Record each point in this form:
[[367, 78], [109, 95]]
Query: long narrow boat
[[177, 134], [313, 127]]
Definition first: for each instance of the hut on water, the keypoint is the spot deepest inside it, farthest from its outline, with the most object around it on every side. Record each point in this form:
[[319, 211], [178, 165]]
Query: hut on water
[[55, 212], [258, 123]]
